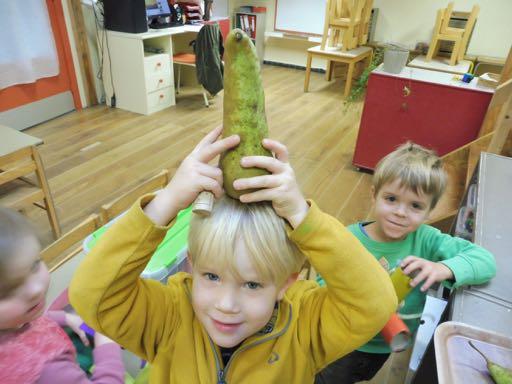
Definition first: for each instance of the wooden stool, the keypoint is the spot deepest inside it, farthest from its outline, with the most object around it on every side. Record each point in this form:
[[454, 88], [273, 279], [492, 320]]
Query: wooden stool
[[459, 36], [349, 57]]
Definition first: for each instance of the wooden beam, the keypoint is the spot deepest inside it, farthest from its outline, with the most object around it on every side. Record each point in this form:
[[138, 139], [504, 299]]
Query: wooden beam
[[506, 73], [503, 125], [497, 107], [82, 47]]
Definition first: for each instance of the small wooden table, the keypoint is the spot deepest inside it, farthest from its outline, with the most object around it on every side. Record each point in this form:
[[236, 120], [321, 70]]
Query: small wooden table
[[337, 55], [12, 140], [19, 158]]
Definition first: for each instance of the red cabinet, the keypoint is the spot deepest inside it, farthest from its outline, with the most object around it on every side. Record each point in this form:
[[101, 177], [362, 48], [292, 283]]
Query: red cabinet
[[427, 107]]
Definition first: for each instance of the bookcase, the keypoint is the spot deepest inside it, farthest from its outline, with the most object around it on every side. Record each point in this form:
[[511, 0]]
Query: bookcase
[[254, 25]]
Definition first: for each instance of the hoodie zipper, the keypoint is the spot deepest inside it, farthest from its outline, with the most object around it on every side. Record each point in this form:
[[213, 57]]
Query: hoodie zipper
[[222, 372]]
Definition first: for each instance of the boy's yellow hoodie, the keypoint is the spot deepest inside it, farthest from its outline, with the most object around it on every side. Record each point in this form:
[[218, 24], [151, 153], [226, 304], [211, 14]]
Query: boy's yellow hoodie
[[314, 326]]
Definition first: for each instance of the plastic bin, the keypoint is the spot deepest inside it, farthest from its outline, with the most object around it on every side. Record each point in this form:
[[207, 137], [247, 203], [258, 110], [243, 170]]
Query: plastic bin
[[395, 58], [170, 255]]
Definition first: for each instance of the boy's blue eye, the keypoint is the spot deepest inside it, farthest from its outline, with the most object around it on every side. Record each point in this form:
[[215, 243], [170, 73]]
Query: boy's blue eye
[[211, 276], [253, 285]]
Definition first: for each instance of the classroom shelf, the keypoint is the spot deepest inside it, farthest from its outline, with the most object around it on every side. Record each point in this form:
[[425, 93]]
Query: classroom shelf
[[254, 25]]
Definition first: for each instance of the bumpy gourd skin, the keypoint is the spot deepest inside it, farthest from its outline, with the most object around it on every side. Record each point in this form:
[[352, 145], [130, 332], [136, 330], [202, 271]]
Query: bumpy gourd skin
[[499, 374], [244, 109]]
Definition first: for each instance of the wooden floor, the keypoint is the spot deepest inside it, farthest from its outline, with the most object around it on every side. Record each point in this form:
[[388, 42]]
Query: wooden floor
[[96, 154]]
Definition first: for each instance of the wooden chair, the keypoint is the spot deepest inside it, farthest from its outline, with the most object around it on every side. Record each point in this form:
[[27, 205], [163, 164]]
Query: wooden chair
[[351, 58], [202, 46], [364, 28], [122, 203], [188, 60], [459, 36], [62, 258], [59, 251], [17, 191], [343, 21]]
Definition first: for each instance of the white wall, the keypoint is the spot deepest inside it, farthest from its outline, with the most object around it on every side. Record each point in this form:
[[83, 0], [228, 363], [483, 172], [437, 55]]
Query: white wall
[[407, 22], [220, 8], [279, 50], [411, 21]]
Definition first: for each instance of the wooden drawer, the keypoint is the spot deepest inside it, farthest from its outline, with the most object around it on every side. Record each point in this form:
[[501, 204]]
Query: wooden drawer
[[160, 99], [157, 65], [158, 81]]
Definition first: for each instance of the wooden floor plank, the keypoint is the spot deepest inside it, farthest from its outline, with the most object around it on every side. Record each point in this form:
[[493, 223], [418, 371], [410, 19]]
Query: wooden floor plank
[[96, 154]]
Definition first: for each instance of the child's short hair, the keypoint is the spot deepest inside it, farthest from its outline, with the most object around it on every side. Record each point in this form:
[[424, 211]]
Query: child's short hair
[[417, 168], [212, 240], [14, 229]]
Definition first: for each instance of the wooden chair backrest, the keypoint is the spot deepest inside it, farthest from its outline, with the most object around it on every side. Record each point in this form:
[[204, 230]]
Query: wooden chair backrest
[[59, 251], [472, 18], [470, 24], [365, 22], [348, 11], [447, 14], [122, 203]]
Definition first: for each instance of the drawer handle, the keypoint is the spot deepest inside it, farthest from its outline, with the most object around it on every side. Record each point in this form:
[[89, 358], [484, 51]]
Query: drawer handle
[[161, 81], [161, 96], [158, 64], [406, 90]]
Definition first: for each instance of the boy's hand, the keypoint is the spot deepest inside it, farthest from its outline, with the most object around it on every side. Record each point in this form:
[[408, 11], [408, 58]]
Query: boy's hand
[[427, 270], [74, 322], [280, 187], [193, 176]]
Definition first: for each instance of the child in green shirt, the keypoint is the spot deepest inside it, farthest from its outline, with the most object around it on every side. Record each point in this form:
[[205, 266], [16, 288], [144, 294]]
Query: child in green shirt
[[407, 185]]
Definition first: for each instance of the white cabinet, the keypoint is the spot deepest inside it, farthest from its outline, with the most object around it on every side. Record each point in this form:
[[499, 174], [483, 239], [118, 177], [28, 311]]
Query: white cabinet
[[141, 79]]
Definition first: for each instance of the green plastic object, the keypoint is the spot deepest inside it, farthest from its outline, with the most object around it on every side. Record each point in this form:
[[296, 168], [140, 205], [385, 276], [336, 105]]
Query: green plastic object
[[169, 252]]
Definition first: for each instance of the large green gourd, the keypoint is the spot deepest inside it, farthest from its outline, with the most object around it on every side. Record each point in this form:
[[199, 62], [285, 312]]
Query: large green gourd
[[244, 109], [499, 374]]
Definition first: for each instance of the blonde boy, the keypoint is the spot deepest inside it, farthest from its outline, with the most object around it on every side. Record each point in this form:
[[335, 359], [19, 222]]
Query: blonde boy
[[240, 317], [407, 185]]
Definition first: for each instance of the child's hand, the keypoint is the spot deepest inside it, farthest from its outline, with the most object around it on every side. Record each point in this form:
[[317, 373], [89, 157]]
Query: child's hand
[[193, 176], [74, 322], [100, 339], [427, 270], [280, 187]]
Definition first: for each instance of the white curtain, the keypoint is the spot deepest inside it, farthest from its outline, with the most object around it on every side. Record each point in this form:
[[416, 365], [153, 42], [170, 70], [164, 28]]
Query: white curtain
[[27, 46]]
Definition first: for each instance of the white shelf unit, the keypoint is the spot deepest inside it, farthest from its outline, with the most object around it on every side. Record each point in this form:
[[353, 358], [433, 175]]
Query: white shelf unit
[[143, 82], [254, 25]]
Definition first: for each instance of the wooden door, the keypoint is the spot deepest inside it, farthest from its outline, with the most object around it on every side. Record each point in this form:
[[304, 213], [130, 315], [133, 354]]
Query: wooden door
[[16, 96]]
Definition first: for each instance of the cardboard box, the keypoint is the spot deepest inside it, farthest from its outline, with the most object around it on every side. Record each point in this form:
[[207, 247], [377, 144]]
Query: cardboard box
[[489, 79]]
